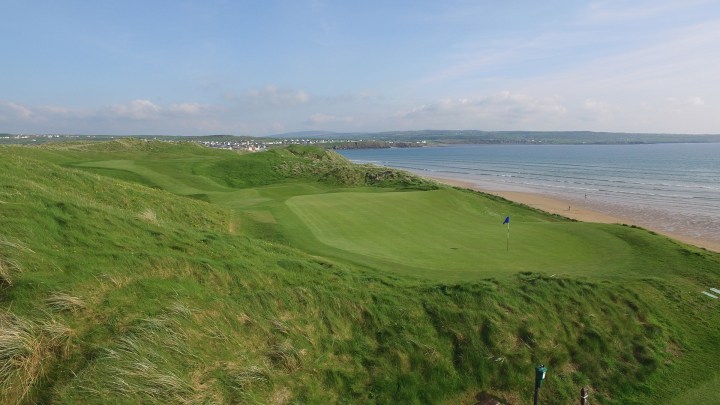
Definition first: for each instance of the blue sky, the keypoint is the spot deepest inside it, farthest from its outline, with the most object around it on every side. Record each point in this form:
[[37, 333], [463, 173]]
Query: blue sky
[[266, 67]]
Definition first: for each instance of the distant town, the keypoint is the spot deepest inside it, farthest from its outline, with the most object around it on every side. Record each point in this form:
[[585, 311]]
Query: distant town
[[244, 144], [391, 139]]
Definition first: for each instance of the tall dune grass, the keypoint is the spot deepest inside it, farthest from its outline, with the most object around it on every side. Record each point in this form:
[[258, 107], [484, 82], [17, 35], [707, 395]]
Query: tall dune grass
[[26, 350], [59, 301], [9, 267]]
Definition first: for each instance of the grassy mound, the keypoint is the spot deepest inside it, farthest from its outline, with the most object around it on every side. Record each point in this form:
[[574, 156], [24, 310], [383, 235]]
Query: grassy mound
[[148, 272], [307, 163]]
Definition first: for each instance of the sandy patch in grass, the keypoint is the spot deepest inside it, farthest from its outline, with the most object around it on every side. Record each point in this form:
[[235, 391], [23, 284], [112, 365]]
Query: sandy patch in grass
[[148, 215]]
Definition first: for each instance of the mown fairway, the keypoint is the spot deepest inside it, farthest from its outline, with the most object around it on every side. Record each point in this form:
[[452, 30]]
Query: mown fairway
[[146, 272]]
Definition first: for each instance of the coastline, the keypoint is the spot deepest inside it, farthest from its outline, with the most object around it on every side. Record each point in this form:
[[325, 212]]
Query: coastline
[[578, 210]]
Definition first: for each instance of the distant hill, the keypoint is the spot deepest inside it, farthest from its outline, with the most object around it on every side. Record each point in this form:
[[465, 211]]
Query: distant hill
[[539, 137], [428, 136], [306, 134]]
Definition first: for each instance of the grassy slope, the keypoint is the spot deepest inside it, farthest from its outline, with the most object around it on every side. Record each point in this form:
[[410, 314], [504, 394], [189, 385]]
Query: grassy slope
[[137, 294]]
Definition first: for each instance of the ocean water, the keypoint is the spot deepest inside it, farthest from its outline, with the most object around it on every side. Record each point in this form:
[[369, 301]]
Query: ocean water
[[668, 187]]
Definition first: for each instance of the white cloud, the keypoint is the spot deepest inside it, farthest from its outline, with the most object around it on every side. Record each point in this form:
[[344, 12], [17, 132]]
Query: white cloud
[[678, 61], [10, 111], [186, 108], [669, 84], [322, 119], [598, 107], [147, 110], [680, 115], [271, 96], [136, 116], [136, 109], [61, 110], [690, 101], [596, 114], [497, 111]]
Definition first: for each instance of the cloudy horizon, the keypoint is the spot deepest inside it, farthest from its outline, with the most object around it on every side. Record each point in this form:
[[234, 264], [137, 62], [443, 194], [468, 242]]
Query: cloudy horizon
[[260, 68]]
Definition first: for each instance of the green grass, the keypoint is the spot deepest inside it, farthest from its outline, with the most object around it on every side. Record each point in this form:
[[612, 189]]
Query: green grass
[[705, 393], [452, 236], [159, 273], [169, 174]]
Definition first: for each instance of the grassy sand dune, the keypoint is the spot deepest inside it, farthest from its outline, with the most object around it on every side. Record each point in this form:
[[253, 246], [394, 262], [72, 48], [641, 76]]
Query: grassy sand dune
[[158, 273]]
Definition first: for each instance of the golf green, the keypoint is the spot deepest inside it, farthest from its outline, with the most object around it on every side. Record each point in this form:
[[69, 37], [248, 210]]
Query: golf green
[[451, 235]]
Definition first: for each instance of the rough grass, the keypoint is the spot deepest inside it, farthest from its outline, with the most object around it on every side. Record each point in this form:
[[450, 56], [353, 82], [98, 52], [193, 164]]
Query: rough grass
[[59, 301], [26, 348], [19, 358], [8, 266], [155, 361], [114, 308]]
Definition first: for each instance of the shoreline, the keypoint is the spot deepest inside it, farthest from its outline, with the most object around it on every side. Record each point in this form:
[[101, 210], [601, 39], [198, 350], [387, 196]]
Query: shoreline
[[574, 209]]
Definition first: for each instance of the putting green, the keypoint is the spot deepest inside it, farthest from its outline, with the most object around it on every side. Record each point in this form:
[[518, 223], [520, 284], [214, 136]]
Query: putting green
[[452, 235]]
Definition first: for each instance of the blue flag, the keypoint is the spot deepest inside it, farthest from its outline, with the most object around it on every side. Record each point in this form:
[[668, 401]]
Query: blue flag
[[507, 220]]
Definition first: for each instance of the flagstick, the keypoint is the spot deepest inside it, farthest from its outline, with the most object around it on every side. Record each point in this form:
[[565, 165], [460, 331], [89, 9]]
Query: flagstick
[[508, 237]]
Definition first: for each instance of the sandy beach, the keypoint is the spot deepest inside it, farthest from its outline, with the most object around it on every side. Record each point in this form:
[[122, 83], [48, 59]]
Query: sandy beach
[[580, 210]]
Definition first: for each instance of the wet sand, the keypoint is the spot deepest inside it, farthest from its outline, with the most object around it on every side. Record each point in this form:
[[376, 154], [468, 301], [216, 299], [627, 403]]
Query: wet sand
[[583, 210]]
